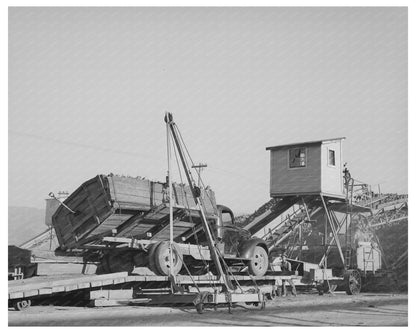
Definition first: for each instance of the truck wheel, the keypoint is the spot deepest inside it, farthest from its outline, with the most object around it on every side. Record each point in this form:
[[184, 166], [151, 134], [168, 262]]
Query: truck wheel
[[259, 263], [353, 281], [151, 255], [162, 259], [22, 305], [18, 306]]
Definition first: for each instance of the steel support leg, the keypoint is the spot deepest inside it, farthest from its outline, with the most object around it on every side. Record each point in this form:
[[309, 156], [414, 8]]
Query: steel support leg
[[334, 230]]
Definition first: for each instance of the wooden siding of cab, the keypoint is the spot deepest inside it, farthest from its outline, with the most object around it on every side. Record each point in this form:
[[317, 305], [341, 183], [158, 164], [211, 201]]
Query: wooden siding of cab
[[285, 181], [332, 177]]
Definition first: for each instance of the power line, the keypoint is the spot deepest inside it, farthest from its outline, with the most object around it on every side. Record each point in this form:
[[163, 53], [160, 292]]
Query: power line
[[122, 152], [79, 145], [236, 175]]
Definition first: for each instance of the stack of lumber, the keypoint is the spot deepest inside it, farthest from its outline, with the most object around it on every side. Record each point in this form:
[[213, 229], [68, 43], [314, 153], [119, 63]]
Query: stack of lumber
[[103, 204]]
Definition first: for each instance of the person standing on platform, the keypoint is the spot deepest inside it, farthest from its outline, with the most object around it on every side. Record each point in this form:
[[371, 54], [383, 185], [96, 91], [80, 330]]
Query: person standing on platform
[[287, 267]]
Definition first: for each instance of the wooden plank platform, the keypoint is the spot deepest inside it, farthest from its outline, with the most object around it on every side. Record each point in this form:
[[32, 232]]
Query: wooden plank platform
[[53, 284], [48, 285]]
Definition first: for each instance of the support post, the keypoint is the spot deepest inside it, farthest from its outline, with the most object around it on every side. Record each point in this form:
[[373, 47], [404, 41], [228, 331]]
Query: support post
[[334, 230], [170, 206], [331, 242]]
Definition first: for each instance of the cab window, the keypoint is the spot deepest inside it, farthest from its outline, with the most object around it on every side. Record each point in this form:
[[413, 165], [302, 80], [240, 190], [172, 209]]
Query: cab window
[[297, 158], [226, 219]]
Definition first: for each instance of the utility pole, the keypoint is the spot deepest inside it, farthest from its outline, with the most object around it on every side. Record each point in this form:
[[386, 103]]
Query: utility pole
[[199, 168]]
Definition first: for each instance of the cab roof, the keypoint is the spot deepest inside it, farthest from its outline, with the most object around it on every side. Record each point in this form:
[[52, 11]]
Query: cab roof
[[305, 143]]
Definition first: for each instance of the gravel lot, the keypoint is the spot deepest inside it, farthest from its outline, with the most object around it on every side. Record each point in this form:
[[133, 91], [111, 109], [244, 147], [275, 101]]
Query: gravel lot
[[304, 310]]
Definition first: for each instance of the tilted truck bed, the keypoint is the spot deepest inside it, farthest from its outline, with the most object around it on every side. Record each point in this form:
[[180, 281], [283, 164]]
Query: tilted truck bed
[[129, 206]]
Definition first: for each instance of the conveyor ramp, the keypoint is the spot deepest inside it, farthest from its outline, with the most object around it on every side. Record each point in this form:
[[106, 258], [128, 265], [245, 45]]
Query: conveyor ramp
[[276, 208]]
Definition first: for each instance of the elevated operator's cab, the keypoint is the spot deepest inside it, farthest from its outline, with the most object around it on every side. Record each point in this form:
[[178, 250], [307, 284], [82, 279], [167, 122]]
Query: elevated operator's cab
[[307, 168]]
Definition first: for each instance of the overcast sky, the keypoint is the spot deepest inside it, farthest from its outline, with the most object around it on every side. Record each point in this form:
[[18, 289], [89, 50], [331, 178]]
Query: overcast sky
[[88, 88]]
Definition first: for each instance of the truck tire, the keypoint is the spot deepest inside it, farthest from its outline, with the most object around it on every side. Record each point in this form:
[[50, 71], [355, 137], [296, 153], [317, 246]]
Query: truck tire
[[259, 263], [22, 305], [352, 279], [161, 259], [151, 255]]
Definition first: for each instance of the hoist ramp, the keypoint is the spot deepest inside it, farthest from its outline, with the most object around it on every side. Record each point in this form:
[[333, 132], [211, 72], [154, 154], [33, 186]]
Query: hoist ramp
[[294, 211], [122, 288], [268, 213], [304, 208]]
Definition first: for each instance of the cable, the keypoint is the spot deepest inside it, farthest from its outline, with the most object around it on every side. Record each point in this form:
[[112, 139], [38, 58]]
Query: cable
[[182, 143], [189, 210], [189, 170], [237, 175], [202, 202], [231, 273], [80, 145]]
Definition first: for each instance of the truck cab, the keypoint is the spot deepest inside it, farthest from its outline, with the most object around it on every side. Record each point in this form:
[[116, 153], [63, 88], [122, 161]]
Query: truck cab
[[234, 241], [225, 219]]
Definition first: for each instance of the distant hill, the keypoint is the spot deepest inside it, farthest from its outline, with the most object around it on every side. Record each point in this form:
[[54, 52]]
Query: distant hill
[[25, 223]]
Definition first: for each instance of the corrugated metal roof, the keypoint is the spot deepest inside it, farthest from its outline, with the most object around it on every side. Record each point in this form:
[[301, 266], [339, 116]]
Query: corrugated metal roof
[[305, 143]]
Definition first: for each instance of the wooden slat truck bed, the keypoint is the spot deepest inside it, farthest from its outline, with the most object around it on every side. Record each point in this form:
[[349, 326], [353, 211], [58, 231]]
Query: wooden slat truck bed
[[105, 203]]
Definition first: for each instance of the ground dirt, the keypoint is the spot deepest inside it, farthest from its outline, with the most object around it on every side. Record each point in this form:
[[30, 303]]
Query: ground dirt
[[304, 310]]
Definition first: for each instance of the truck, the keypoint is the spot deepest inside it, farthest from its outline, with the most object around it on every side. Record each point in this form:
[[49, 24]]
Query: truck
[[131, 222], [193, 246]]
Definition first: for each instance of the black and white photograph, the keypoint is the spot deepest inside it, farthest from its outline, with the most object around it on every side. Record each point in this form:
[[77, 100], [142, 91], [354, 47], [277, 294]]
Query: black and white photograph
[[207, 166]]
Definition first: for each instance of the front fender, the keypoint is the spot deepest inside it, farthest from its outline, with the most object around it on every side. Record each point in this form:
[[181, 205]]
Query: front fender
[[246, 248]]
